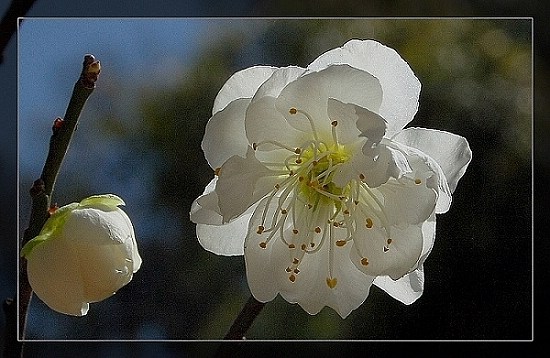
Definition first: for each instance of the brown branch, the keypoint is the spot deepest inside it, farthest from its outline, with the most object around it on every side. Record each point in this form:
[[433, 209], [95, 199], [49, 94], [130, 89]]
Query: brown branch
[[8, 25], [63, 128], [42, 189], [240, 326]]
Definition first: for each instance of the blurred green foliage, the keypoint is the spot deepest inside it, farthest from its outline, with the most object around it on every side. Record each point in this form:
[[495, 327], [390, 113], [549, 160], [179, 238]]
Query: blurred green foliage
[[476, 80]]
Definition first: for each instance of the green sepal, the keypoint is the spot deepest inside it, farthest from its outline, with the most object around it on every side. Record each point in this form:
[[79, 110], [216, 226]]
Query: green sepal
[[56, 221], [110, 200], [29, 246], [50, 229]]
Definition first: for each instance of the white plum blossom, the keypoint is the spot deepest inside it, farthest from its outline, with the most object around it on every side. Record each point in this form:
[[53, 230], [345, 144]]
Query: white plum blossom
[[84, 253], [319, 185]]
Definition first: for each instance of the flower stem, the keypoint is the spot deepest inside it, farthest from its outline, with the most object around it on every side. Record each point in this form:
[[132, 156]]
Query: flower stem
[[42, 190], [240, 326]]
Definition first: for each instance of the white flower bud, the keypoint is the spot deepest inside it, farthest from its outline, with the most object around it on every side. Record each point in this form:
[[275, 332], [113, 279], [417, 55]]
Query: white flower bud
[[84, 253]]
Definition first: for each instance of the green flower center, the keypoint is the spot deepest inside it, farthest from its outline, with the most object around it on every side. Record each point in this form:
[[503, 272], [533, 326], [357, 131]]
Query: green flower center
[[318, 164]]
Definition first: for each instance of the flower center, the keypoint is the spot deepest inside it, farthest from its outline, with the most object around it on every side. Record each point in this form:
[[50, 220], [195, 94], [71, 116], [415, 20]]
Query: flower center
[[315, 171], [306, 208]]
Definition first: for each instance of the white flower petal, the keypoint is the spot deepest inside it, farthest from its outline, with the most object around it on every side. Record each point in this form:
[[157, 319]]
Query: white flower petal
[[376, 162], [410, 287], [47, 263], [105, 227], [400, 86], [103, 269], [354, 122], [300, 277], [205, 209], [351, 285], [245, 173], [428, 235], [388, 163], [309, 94], [213, 234], [452, 152], [265, 125], [394, 161], [412, 198], [132, 244], [394, 258], [444, 193], [225, 134], [264, 268], [273, 86], [103, 244], [242, 84], [136, 258], [227, 239], [406, 289]]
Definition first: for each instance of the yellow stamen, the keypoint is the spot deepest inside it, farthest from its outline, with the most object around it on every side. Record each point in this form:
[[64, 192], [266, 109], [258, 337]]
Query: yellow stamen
[[369, 223], [331, 282]]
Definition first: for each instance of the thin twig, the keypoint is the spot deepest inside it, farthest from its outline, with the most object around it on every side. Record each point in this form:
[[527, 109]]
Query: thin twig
[[39, 215], [63, 128], [42, 189], [8, 25], [240, 326]]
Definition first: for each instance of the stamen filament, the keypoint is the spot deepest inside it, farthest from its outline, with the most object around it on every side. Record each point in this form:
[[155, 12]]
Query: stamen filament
[[318, 246], [273, 142], [380, 214], [334, 134], [294, 111], [326, 193], [266, 208]]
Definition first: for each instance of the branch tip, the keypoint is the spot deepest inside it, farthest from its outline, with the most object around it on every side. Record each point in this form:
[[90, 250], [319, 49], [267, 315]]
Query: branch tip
[[90, 71]]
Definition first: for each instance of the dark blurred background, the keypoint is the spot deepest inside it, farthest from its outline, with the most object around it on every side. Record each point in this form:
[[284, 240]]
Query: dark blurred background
[[140, 136]]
